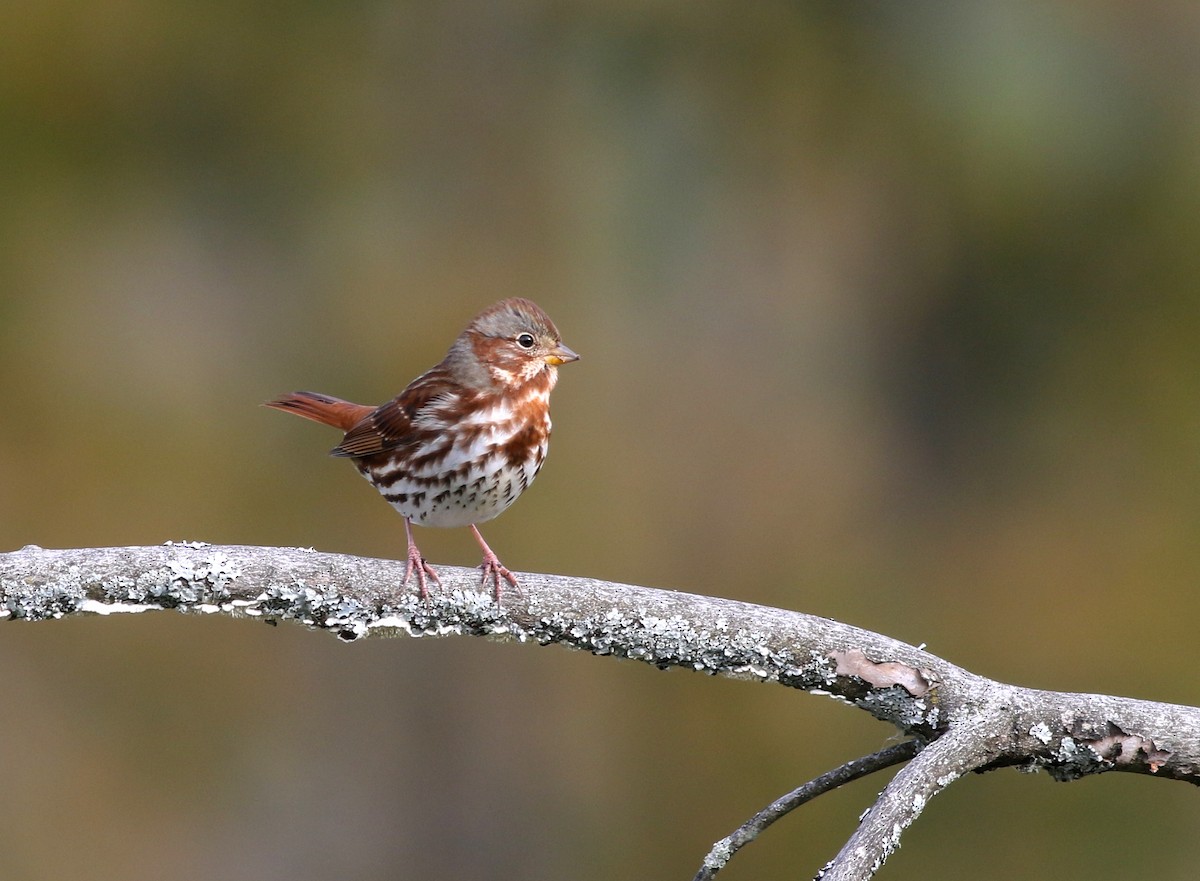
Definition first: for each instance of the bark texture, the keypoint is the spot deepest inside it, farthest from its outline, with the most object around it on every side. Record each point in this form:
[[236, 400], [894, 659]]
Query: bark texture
[[963, 722]]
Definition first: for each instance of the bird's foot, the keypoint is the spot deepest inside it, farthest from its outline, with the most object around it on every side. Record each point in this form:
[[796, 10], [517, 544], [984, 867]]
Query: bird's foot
[[491, 566], [416, 563]]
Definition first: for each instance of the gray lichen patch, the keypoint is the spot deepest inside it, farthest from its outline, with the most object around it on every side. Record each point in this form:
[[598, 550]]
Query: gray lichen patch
[[185, 583], [37, 601], [895, 705], [669, 641]]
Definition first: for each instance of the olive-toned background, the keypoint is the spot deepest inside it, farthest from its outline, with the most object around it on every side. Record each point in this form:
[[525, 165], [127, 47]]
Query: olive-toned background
[[888, 312]]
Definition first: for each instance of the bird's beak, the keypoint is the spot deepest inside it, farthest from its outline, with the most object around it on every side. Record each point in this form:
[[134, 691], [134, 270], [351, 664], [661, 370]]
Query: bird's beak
[[560, 354]]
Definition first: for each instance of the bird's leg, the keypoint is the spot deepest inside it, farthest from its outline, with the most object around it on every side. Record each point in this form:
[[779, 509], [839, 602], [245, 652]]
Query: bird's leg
[[492, 566], [417, 563]]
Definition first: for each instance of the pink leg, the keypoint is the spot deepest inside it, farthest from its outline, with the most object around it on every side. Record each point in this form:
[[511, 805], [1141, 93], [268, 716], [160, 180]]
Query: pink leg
[[492, 566], [417, 563]]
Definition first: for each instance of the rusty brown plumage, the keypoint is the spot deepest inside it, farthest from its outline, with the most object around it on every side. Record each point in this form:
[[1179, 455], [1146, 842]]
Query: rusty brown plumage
[[464, 439]]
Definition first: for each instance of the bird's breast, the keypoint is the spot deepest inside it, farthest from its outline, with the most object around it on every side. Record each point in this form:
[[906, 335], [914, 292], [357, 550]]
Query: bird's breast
[[471, 470]]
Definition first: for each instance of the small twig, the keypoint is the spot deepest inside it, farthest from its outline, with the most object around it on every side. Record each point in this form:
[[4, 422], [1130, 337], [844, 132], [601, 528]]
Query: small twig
[[724, 849]]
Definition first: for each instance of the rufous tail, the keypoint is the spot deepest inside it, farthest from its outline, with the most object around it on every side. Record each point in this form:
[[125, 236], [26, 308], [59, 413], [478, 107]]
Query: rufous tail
[[325, 409]]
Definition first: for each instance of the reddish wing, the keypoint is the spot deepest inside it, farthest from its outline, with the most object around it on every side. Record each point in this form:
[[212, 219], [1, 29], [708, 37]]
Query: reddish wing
[[390, 426]]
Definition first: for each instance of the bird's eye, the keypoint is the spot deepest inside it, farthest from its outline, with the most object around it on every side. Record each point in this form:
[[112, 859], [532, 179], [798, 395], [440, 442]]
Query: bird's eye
[[525, 341]]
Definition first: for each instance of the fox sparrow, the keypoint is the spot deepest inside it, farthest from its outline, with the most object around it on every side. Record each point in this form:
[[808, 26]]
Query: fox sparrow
[[465, 438]]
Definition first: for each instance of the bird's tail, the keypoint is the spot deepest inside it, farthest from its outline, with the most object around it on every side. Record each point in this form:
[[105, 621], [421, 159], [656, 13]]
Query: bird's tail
[[325, 409]]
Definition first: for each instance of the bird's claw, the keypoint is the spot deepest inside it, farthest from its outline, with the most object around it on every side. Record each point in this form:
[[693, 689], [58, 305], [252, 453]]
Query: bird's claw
[[491, 566], [416, 563]]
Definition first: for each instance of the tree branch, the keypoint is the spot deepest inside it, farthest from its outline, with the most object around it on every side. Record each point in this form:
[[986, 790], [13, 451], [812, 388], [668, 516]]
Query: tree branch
[[967, 721], [901, 802], [724, 849]]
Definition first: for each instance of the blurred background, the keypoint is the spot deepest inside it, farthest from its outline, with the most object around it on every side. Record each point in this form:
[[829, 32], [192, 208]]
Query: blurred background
[[888, 313]]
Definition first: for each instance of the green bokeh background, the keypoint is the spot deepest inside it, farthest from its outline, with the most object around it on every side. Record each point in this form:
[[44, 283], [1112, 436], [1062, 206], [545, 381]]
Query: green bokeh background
[[888, 312]]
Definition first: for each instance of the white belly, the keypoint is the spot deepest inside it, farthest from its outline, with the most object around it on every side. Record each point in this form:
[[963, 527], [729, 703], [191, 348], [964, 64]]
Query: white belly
[[450, 501]]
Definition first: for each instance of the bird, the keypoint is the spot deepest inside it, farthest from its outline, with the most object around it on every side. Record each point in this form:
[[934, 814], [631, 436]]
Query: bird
[[464, 439]]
